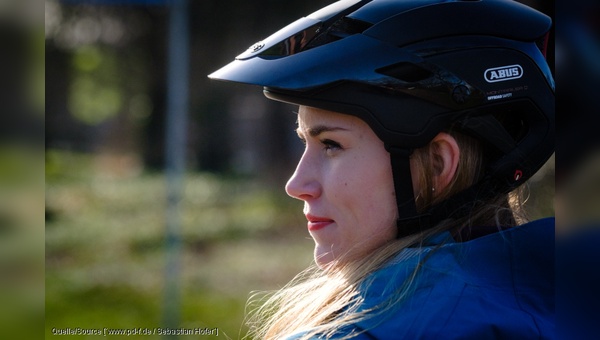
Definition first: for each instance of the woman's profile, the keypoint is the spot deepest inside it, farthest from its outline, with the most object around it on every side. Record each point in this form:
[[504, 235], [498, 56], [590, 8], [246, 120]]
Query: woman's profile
[[421, 120]]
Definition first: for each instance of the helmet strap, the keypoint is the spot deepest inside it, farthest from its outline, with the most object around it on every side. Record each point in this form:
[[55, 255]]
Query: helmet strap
[[459, 205], [409, 221]]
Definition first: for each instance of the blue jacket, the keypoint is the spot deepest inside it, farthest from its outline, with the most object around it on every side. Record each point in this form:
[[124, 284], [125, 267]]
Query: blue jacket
[[499, 286]]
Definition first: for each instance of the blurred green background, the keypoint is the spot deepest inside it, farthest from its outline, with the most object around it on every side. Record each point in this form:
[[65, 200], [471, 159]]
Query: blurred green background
[[21, 170], [105, 259], [105, 213]]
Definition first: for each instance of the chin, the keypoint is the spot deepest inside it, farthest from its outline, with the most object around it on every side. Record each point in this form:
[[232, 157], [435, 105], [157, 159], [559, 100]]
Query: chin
[[324, 258], [329, 258]]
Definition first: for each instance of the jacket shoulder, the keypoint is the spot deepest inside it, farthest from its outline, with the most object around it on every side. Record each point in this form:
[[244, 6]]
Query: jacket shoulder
[[499, 286]]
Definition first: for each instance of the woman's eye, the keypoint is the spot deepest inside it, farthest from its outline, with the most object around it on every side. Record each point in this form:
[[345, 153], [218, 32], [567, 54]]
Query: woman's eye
[[330, 145]]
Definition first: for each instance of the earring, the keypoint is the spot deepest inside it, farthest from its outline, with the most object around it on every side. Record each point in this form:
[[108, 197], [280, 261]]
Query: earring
[[432, 189]]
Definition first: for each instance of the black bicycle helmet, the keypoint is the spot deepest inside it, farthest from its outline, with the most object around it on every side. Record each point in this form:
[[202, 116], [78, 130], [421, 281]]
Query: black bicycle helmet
[[412, 68]]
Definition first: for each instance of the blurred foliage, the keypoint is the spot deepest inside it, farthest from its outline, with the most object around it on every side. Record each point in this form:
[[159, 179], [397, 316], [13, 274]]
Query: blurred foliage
[[95, 96], [36, 74], [105, 246], [21, 242], [21, 170]]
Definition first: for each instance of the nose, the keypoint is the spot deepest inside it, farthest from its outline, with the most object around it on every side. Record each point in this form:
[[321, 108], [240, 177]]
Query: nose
[[304, 183]]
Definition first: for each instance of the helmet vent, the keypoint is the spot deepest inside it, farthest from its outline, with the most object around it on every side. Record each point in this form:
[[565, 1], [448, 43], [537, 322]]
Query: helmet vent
[[513, 123], [406, 72], [340, 29]]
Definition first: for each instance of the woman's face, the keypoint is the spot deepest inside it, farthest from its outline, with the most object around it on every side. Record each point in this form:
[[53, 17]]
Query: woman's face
[[345, 180]]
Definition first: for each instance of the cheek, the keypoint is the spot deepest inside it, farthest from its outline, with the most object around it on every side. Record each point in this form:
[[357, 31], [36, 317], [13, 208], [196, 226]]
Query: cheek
[[381, 211], [370, 218], [369, 189], [382, 201]]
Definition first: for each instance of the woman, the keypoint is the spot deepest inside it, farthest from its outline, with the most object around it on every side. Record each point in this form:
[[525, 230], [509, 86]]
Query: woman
[[419, 118]]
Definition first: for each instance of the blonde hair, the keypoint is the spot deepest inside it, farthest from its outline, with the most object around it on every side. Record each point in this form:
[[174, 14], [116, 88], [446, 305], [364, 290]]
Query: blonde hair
[[324, 301]]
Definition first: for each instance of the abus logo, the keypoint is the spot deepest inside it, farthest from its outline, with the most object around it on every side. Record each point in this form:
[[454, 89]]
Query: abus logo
[[503, 73]]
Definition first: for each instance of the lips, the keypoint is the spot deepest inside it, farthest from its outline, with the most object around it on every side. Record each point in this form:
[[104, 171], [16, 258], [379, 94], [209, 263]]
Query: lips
[[315, 222]]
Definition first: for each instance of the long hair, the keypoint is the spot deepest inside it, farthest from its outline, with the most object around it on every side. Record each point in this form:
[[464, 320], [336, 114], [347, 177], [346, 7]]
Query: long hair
[[325, 301]]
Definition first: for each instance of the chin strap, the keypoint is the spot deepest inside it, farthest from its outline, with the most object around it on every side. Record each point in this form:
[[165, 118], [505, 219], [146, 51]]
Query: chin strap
[[459, 205], [409, 221]]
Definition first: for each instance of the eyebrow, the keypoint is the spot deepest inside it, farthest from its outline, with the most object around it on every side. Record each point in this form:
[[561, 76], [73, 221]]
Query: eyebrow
[[319, 129]]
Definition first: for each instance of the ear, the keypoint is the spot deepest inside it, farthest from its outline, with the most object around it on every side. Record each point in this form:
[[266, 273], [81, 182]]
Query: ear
[[445, 154]]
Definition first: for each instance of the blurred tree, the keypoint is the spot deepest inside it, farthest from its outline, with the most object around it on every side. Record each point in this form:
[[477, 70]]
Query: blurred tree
[[20, 114], [107, 70], [100, 68]]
